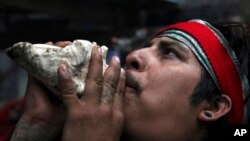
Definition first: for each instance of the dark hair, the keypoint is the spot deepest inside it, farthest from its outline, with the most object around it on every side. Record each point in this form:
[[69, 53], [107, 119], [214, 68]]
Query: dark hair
[[237, 36]]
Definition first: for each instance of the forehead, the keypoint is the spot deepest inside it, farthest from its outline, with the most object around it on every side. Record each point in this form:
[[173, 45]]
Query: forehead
[[166, 39], [172, 42], [179, 46]]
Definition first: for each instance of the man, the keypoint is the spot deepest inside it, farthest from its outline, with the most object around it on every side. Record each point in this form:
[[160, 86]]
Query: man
[[182, 85]]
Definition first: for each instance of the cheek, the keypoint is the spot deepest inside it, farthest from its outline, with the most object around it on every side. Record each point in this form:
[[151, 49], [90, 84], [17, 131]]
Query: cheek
[[163, 104], [170, 88], [175, 80]]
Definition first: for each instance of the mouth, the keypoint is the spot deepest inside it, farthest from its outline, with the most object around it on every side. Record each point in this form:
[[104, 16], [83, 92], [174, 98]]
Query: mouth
[[132, 82]]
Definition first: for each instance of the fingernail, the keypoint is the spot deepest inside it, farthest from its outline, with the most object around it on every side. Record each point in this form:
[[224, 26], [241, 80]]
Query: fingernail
[[64, 70], [122, 73], [100, 50], [63, 67], [117, 59]]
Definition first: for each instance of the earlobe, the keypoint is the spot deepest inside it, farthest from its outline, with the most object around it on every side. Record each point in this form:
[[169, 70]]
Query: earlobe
[[206, 116], [216, 110]]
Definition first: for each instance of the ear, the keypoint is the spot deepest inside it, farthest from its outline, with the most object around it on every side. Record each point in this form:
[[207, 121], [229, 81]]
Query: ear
[[217, 109]]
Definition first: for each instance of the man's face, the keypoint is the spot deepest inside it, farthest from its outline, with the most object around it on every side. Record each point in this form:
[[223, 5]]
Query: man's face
[[160, 80]]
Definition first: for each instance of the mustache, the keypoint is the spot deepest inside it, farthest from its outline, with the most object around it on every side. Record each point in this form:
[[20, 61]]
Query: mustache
[[131, 81]]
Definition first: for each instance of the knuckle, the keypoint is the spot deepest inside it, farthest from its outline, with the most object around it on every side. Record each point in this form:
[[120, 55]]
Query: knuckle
[[108, 92], [110, 86], [120, 92], [118, 116], [107, 97], [99, 80], [105, 110], [68, 91], [78, 114]]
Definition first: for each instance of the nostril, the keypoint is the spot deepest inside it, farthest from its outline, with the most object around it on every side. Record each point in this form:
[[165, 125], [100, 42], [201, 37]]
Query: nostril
[[135, 65]]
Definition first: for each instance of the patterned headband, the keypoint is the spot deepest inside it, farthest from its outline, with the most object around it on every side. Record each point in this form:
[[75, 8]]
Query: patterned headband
[[212, 50]]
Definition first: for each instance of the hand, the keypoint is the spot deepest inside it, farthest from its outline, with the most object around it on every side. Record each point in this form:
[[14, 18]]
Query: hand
[[43, 115], [98, 114], [41, 105], [60, 43], [42, 108]]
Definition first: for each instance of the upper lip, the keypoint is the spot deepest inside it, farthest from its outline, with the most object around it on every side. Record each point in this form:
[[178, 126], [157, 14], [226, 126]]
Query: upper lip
[[131, 81]]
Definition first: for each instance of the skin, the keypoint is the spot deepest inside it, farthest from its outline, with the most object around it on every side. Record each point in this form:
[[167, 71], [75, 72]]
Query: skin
[[140, 107], [150, 110], [97, 115], [43, 115], [100, 109], [147, 113], [160, 81]]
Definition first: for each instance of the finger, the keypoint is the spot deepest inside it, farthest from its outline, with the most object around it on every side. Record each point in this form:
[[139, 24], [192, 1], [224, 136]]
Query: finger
[[66, 87], [38, 95], [93, 83], [33, 85], [63, 43], [119, 94], [35, 91], [110, 81], [50, 43]]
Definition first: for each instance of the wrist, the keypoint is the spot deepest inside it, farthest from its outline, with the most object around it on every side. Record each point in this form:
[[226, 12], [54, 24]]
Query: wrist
[[30, 129], [40, 124], [31, 119]]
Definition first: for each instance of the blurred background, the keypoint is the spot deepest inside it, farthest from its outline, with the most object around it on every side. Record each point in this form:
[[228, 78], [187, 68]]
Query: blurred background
[[122, 25]]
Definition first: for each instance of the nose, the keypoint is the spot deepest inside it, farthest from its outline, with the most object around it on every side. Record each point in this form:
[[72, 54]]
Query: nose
[[136, 61]]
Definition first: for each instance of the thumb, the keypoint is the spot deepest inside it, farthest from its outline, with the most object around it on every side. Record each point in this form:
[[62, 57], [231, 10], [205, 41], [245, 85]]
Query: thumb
[[66, 87]]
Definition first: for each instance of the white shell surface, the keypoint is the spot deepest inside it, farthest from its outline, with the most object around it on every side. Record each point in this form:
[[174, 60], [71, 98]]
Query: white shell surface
[[42, 61]]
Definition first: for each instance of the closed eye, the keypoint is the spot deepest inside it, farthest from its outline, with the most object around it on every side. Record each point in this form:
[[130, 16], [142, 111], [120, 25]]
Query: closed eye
[[167, 49], [172, 49], [169, 52]]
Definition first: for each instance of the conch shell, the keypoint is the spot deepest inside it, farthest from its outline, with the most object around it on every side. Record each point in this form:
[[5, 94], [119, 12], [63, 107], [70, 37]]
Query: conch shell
[[42, 61]]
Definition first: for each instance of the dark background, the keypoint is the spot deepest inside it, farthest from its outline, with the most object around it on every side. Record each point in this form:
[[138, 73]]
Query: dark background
[[119, 24]]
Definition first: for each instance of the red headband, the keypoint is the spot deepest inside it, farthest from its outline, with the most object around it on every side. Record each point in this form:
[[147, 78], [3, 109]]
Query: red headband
[[221, 62]]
